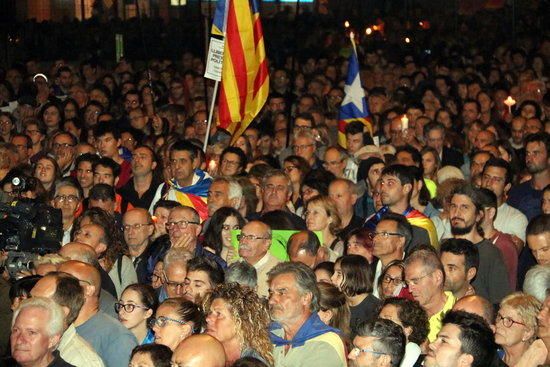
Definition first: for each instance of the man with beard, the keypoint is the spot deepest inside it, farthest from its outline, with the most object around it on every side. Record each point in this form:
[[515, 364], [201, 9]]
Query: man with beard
[[460, 259], [299, 336], [527, 196], [466, 213]]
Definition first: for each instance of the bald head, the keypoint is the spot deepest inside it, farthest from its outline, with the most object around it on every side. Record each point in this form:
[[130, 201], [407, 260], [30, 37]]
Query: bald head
[[85, 273], [80, 252], [478, 306], [199, 350]]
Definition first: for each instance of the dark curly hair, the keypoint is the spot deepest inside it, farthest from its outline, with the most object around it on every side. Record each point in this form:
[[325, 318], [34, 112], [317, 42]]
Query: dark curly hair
[[114, 237], [412, 315]]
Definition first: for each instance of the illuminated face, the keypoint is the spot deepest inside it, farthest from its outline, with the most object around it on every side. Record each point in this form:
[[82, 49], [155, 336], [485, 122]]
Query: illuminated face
[[540, 247], [107, 145], [172, 333], [445, 351], [30, 343], [317, 218], [220, 323], [197, 284], [286, 304]]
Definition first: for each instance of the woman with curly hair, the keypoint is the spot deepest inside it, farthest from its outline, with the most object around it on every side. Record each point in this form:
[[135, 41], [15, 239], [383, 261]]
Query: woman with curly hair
[[413, 319], [238, 318], [115, 259]]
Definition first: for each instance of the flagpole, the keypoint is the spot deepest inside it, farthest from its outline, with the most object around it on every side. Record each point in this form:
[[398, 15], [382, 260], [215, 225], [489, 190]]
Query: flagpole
[[212, 104], [216, 84]]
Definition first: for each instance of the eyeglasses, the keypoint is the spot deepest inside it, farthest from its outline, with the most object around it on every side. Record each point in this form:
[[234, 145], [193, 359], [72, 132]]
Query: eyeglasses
[[250, 237], [174, 285], [66, 198], [63, 145], [415, 281], [128, 307], [162, 321], [227, 227], [301, 147], [137, 226], [507, 321], [383, 234], [201, 122], [356, 351], [230, 163], [182, 224], [389, 280]]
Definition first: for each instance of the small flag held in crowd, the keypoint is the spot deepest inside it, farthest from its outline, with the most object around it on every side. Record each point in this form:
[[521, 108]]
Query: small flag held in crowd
[[354, 106], [245, 74]]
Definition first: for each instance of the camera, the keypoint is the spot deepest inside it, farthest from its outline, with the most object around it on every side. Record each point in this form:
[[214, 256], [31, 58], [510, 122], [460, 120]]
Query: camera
[[28, 229]]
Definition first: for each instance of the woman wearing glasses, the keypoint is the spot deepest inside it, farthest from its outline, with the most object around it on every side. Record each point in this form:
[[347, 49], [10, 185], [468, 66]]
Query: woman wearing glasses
[[391, 282], [218, 234], [238, 318], [135, 308], [175, 320], [516, 326]]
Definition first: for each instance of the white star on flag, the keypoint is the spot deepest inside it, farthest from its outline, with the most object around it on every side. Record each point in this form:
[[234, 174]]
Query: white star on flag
[[354, 94]]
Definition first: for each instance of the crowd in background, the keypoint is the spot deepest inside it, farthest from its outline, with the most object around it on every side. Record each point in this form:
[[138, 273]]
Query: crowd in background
[[425, 242]]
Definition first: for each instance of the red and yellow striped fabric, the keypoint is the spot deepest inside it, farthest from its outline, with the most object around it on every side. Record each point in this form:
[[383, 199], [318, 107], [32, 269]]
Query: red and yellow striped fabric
[[245, 78]]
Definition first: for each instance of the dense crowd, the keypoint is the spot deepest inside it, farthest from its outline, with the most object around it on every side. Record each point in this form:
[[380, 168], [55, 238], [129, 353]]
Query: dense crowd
[[426, 242]]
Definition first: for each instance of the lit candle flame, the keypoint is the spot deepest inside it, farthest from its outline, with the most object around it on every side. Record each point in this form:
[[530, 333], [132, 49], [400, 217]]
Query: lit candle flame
[[404, 123], [346, 24], [368, 31]]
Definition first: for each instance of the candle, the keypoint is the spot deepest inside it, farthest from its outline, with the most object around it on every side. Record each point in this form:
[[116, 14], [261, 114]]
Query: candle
[[352, 35], [346, 24], [212, 166], [404, 123], [368, 31], [509, 102]]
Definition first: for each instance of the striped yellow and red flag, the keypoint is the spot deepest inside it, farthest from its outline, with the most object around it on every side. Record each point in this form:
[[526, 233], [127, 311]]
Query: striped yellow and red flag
[[245, 78]]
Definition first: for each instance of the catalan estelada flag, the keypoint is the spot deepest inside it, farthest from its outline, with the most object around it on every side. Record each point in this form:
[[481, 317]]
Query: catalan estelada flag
[[245, 79], [354, 106]]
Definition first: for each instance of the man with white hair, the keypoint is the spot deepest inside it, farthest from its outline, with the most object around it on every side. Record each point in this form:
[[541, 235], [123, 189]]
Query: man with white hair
[[36, 330], [175, 271], [537, 281], [224, 191]]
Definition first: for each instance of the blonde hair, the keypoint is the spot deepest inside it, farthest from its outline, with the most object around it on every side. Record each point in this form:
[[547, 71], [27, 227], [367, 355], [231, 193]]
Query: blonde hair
[[250, 315], [330, 207], [54, 259], [526, 306]]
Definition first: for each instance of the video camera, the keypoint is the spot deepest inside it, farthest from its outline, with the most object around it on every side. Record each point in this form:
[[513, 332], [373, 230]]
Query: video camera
[[28, 229]]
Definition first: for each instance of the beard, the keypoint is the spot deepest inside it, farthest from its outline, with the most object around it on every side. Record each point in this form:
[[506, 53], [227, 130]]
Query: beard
[[461, 231], [534, 169]]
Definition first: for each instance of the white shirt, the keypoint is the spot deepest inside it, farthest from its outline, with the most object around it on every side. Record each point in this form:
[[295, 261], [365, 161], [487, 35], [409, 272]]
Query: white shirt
[[77, 351], [510, 220]]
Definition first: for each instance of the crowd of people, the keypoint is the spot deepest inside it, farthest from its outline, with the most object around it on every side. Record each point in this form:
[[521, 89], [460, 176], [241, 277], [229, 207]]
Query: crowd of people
[[425, 242]]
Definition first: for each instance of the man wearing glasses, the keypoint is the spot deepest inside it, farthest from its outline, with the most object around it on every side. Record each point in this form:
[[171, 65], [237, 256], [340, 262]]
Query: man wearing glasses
[[254, 244], [184, 227], [425, 278], [392, 235], [67, 198], [379, 343], [138, 229], [64, 151]]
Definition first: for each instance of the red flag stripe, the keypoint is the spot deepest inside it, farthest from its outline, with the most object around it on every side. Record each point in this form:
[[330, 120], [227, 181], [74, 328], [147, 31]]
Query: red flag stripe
[[238, 57]]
